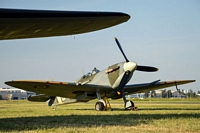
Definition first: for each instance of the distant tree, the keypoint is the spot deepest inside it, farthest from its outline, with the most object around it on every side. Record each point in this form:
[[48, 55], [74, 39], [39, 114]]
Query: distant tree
[[164, 93], [169, 94], [146, 94], [1, 97], [153, 93], [191, 94]]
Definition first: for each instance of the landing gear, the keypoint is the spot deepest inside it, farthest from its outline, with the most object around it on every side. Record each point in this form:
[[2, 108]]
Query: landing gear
[[128, 105], [107, 104], [102, 105], [99, 106]]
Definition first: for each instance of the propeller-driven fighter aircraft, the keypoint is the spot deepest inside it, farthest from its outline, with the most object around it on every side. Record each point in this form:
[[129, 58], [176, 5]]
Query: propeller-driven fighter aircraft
[[109, 83]]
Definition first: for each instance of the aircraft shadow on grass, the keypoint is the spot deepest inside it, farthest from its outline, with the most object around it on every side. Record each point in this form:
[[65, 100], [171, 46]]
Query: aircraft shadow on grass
[[84, 121], [120, 109]]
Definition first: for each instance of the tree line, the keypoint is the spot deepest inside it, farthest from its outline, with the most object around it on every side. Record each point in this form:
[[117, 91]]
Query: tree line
[[168, 94]]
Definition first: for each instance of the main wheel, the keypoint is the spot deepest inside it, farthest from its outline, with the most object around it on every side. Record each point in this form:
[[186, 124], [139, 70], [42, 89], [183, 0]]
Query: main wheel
[[129, 105], [99, 106]]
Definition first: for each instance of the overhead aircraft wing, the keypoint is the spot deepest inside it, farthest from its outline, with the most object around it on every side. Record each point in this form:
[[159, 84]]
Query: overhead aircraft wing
[[53, 88], [19, 23], [139, 88]]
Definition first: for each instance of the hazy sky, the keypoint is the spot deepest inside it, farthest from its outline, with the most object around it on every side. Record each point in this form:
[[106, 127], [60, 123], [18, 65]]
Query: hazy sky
[[160, 33]]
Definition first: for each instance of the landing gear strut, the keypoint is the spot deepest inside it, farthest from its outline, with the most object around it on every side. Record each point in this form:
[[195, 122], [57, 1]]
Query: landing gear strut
[[107, 104]]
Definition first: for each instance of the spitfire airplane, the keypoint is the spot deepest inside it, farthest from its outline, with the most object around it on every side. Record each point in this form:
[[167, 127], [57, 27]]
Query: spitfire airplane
[[109, 83]]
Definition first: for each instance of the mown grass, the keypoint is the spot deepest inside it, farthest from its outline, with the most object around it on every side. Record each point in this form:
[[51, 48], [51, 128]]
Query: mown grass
[[155, 115]]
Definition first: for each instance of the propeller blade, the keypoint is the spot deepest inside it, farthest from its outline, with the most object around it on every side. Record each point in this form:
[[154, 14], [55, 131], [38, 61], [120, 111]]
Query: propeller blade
[[139, 68], [146, 68], [123, 82], [118, 44]]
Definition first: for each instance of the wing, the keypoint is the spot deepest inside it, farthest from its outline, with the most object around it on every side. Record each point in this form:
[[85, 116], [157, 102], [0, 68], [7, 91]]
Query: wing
[[61, 89], [18, 23], [73, 91], [139, 88]]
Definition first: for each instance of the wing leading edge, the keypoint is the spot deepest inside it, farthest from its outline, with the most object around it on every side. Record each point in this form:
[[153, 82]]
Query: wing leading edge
[[20, 23]]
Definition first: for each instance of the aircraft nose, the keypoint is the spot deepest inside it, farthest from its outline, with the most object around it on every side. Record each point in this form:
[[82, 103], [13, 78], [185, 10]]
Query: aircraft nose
[[131, 66]]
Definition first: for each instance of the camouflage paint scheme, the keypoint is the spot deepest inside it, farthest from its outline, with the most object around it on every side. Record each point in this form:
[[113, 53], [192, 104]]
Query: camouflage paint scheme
[[21, 23], [85, 88]]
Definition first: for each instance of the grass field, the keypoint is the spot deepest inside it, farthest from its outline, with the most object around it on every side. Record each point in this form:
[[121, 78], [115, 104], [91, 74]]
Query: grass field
[[154, 115]]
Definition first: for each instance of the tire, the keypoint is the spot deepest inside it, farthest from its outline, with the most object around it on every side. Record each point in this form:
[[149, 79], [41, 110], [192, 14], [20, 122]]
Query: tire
[[99, 106], [132, 104]]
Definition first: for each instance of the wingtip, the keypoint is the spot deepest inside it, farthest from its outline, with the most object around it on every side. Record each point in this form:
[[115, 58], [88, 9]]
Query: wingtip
[[8, 82], [190, 80]]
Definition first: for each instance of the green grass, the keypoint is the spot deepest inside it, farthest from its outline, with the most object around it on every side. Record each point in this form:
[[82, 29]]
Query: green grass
[[154, 115]]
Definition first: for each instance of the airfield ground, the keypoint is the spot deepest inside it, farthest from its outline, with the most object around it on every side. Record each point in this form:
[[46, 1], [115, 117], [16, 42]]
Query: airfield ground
[[154, 115]]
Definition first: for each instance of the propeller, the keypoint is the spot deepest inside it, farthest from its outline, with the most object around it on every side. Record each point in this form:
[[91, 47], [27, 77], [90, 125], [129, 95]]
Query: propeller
[[123, 82], [129, 67], [146, 68], [118, 44], [139, 68]]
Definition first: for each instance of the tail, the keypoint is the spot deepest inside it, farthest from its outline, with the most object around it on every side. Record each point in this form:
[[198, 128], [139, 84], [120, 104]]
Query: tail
[[51, 100]]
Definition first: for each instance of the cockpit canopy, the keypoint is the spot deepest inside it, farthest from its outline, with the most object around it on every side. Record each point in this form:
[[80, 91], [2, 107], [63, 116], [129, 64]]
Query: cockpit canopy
[[94, 71]]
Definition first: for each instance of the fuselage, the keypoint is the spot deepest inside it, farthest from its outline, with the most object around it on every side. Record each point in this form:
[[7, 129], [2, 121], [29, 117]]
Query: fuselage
[[110, 76]]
